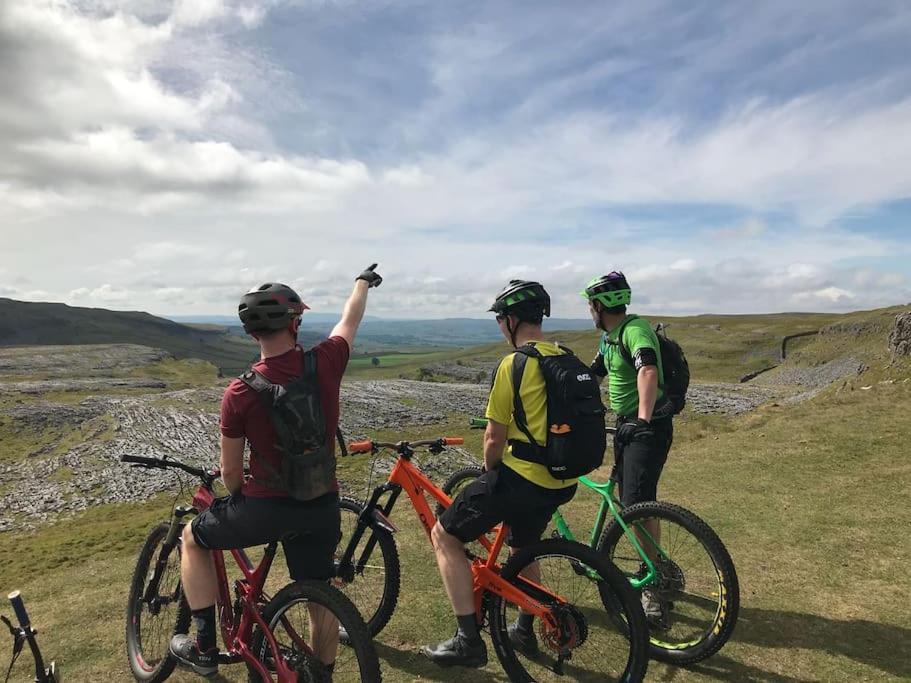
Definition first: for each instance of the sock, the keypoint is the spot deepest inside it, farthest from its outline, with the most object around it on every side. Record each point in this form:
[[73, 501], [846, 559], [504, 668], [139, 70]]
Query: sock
[[525, 622], [468, 626], [204, 619]]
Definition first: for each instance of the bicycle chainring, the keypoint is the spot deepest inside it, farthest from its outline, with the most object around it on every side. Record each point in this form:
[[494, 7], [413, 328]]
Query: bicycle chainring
[[571, 631]]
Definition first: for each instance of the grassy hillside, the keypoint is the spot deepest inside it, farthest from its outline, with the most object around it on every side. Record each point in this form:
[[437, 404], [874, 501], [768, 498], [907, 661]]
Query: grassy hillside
[[821, 569], [809, 498], [23, 323], [719, 348]]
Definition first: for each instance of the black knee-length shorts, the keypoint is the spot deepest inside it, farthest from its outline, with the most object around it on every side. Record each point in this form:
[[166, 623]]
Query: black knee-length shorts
[[501, 495], [309, 530]]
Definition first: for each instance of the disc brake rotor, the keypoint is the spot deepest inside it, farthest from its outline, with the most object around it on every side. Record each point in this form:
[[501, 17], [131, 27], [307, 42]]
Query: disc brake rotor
[[571, 631]]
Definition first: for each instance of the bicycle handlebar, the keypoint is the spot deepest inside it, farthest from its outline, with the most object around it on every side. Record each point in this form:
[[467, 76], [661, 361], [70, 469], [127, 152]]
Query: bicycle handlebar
[[162, 464], [369, 446]]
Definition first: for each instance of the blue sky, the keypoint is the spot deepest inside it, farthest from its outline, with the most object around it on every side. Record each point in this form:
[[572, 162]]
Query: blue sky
[[729, 157]]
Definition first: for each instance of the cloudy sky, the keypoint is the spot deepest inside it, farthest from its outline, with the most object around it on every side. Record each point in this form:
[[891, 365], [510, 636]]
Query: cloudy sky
[[740, 157]]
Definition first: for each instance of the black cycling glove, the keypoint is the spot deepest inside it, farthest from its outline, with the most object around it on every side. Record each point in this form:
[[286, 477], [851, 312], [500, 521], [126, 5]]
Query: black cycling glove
[[370, 277], [634, 431]]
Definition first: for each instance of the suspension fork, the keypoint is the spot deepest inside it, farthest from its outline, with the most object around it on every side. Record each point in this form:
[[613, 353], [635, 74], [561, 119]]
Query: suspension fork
[[170, 541], [364, 522]]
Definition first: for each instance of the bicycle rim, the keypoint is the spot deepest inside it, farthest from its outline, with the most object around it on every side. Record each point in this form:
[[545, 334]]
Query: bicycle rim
[[696, 584], [305, 642], [602, 634], [150, 624]]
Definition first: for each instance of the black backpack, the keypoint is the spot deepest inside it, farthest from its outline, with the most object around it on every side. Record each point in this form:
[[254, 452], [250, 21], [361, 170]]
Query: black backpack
[[296, 413], [575, 415], [673, 362]]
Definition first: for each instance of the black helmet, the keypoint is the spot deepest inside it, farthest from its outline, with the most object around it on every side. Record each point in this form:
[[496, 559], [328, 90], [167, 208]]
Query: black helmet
[[524, 299], [269, 307]]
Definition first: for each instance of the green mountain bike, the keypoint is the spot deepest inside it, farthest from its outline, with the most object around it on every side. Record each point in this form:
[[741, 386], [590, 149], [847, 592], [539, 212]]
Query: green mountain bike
[[685, 562]]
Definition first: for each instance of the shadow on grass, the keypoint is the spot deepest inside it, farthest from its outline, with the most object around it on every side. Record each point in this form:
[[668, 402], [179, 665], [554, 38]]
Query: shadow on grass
[[417, 665], [879, 646]]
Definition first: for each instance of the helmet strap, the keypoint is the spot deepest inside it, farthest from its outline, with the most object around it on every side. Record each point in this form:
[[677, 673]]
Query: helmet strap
[[294, 326], [512, 331]]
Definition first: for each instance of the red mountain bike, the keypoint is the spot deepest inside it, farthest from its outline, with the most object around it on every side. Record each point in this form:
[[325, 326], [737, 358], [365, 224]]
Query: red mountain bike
[[273, 636]]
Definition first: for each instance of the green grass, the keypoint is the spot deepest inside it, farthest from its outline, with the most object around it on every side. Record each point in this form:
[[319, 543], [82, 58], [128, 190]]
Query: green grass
[[810, 499]]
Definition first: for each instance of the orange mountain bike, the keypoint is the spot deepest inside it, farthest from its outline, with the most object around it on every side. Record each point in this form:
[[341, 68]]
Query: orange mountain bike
[[589, 622]]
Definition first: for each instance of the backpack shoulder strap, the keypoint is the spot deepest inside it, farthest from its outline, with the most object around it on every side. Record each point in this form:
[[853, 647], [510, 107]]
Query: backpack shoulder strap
[[624, 350], [309, 363], [256, 381], [519, 361]]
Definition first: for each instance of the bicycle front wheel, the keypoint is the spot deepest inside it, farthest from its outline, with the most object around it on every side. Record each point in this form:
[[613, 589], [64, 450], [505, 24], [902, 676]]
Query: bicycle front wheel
[[601, 633], [696, 583], [305, 618], [153, 619], [457, 481]]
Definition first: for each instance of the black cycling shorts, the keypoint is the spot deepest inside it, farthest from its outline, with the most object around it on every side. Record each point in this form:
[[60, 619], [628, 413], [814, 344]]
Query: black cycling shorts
[[309, 531], [501, 495], [640, 462]]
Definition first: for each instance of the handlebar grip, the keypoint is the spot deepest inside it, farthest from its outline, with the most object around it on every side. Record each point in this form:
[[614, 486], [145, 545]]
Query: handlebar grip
[[453, 440], [360, 446], [19, 608]]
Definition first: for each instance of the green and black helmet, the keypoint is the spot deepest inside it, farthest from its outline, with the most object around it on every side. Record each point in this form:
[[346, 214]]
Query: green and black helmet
[[525, 299], [269, 307], [610, 290]]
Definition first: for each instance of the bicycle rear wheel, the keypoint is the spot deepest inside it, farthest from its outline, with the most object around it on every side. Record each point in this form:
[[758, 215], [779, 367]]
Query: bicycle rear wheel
[[456, 481], [151, 623], [602, 635], [301, 639], [696, 582], [371, 583]]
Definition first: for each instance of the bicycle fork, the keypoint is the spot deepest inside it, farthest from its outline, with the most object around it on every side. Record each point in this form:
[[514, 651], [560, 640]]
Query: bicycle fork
[[150, 596]]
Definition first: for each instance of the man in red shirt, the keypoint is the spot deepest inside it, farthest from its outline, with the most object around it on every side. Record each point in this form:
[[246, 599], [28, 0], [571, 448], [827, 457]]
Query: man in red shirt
[[258, 511]]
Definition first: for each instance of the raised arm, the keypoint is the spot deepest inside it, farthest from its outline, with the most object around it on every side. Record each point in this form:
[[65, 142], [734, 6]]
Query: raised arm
[[356, 305]]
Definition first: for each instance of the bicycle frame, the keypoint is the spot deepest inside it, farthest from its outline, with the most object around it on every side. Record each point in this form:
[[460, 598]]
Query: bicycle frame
[[486, 572], [610, 505], [237, 622]]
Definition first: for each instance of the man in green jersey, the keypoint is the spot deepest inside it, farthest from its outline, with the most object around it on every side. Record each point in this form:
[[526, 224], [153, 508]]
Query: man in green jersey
[[630, 357]]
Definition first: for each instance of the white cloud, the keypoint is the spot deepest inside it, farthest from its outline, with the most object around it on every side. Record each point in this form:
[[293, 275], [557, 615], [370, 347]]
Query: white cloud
[[748, 229], [145, 132], [106, 293]]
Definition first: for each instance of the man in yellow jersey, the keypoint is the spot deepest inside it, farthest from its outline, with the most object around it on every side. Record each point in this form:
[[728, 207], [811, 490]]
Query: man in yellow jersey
[[521, 493]]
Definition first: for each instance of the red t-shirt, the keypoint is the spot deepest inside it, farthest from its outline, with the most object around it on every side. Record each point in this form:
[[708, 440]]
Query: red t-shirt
[[243, 415]]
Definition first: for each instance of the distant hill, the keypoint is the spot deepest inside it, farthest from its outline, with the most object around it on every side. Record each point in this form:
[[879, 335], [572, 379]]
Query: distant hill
[[382, 333], [25, 323]]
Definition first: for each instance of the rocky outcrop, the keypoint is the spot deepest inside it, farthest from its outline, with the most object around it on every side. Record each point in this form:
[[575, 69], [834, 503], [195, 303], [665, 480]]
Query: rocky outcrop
[[900, 336]]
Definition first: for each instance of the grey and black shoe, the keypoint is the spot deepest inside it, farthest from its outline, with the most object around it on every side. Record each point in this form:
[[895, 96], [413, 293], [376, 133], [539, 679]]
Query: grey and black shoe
[[458, 651], [523, 640], [184, 649]]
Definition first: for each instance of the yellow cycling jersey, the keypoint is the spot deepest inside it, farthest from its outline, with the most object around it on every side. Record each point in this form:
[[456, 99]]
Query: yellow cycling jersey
[[533, 395]]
